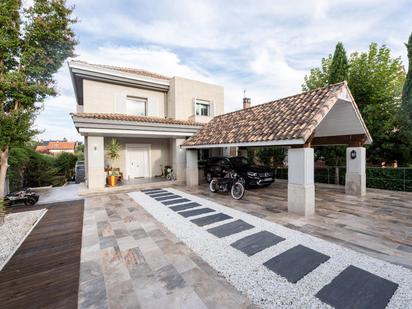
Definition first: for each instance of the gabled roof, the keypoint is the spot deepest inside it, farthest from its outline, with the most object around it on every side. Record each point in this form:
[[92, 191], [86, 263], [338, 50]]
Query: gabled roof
[[61, 145], [287, 121], [139, 72], [140, 119]]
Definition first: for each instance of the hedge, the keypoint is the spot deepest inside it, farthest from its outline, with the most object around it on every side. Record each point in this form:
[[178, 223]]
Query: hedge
[[396, 179]]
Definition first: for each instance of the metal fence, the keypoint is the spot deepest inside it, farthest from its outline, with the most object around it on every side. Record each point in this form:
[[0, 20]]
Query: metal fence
[[398, 179]]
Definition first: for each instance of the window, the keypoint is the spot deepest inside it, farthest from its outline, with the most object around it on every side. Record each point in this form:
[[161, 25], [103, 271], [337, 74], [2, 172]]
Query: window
[[136, 106], [202, 108]]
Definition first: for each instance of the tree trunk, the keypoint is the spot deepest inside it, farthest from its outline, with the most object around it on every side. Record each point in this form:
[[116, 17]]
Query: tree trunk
[[4, 156]]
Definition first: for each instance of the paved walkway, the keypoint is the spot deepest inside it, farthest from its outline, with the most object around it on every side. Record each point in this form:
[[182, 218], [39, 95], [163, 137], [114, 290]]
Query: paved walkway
[[44, 272], [130, 260], [69, 192], [278, 266], [378, 224]]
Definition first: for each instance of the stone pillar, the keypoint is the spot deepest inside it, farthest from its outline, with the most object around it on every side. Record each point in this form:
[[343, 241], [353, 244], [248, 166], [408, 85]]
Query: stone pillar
[[178, 158], [301, 187], [96, 177], [192, 171], [355, 180]]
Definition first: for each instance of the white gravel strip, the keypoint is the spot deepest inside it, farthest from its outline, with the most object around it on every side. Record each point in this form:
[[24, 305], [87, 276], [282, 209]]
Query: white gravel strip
[[249, 276], [14, 230]]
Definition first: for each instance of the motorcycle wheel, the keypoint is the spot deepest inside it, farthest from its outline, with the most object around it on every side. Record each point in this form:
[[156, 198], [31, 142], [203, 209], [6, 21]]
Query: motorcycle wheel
[[213, 186], [237, 191], [30, 202]]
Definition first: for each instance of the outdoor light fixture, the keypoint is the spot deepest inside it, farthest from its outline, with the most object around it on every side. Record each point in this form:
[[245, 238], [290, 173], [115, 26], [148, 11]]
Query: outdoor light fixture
[[353, 154]]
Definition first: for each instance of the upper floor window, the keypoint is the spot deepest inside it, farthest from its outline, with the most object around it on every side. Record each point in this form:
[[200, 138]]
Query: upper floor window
[[136, 106], [202, 108]]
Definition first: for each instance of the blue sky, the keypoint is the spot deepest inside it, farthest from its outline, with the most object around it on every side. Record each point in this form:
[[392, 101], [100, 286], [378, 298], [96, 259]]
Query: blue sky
[[265, 47]]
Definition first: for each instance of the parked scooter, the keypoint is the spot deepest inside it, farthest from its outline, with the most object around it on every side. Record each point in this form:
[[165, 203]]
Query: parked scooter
[[27, 197], [231, 182]]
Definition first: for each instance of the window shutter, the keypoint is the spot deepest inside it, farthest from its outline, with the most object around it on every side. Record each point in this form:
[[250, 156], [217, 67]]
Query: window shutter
[[212, 109]]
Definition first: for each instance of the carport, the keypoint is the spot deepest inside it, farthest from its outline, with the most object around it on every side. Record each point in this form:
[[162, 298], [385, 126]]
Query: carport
[[324, 116]]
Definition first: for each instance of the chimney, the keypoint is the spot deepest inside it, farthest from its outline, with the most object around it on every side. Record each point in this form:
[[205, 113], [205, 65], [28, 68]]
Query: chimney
[[246, 103]]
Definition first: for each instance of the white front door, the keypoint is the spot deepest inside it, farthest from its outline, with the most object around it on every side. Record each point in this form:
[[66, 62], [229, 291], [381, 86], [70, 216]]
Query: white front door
[[138, 162]]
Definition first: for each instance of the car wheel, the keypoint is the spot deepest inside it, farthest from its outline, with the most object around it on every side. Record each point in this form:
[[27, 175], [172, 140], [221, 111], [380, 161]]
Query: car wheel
[[209, 177]]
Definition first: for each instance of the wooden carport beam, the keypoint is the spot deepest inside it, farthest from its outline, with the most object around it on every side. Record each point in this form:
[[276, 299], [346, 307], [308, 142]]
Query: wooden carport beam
[[355, 140]]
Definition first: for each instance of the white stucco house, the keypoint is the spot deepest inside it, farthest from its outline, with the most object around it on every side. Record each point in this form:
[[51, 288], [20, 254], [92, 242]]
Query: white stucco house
[[171, 121], [150, 115]]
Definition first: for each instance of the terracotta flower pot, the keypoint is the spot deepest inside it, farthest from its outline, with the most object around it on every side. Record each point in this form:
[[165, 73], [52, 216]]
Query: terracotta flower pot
[[112, 181]]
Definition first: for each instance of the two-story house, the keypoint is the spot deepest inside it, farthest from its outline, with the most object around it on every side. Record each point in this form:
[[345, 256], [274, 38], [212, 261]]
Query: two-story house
[[149, 114]]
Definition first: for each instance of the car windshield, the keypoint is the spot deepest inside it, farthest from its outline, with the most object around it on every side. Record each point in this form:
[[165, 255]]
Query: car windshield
[[239, 161]]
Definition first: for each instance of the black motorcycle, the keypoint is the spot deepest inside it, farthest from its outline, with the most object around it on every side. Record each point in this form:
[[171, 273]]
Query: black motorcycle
[[230, 182], [26, 197]]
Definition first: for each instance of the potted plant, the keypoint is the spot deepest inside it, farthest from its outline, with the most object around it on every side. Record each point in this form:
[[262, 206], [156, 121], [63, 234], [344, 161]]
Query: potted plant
[[113, 152]]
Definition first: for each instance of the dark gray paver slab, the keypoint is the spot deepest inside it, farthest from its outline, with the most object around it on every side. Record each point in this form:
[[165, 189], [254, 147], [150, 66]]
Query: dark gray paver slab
[[255, 243], [195, 212], [165, 198], [150, 190], [178, 201], [357, 288], [230, 228], [210, 219], [160, 194], [185, 206], [296, 263]]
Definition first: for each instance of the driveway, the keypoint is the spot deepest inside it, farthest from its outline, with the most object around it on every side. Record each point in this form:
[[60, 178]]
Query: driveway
[[130, 260], [69, 192]]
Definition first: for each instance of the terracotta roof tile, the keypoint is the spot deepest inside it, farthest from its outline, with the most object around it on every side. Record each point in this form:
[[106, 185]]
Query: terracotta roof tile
[[140, 72], [294, 117], [143, 119], [61, 145]]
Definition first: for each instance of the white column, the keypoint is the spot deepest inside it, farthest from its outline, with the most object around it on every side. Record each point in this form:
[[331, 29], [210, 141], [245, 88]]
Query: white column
[[301, 187], [192, 172], [96, 177], [355, 181], [178, 158]]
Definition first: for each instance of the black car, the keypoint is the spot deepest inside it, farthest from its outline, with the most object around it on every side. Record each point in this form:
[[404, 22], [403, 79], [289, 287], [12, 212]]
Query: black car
[[252, 175]]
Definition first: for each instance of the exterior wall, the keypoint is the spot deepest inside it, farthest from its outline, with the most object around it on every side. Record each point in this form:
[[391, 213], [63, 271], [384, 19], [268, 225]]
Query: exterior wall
[[182, 91], [101, 97], [56, 152], [159, 153], [96, 177]]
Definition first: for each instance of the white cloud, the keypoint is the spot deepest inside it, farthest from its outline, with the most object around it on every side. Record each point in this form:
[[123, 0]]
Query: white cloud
[[265, 48]]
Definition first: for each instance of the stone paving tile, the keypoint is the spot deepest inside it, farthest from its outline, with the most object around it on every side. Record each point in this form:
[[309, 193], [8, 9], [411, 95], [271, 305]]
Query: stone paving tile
[[152, 190], [230, 228], [154, 195], [165, 198], [185, 206], [92, 294], [133, 261], [255, 243], [357, 288], [138, 233], [295, 263], [178, 201], [195, 212], [210, 219]]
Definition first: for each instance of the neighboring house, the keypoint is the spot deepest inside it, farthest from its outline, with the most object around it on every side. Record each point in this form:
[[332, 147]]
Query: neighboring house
[[59, 147], [150, 115], [56, 147]]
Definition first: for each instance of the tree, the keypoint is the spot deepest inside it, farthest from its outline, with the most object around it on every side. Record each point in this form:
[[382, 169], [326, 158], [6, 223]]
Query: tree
[[318, 77], [34, 43], [338, 71], [375, 79], [406, 107]]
